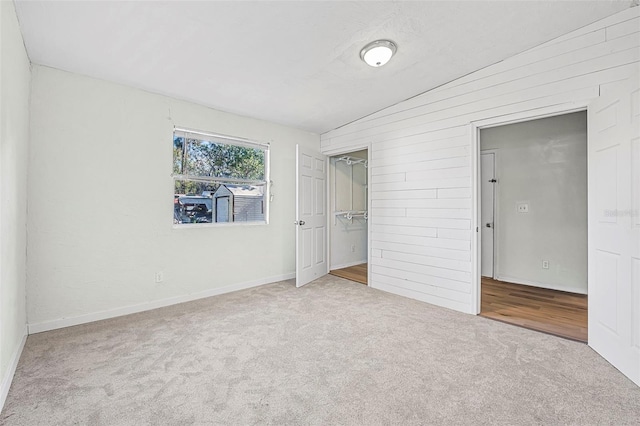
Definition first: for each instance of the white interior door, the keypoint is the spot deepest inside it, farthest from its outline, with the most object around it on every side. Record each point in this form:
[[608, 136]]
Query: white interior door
[[311, 216], [487, 193], [614, 228]]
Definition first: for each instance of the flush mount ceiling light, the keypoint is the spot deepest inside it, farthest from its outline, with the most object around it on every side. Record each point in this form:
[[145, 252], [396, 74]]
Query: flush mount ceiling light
[[377, 53]]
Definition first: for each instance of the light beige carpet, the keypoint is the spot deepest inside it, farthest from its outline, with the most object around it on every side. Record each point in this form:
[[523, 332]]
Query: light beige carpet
[[333, 352]]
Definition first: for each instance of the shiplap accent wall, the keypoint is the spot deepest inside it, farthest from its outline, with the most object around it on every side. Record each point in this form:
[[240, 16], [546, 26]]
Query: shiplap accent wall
[[420, 189]]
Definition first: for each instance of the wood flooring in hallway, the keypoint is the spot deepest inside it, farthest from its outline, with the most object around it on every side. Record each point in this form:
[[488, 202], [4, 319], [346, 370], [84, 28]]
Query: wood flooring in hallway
[[550, 311]]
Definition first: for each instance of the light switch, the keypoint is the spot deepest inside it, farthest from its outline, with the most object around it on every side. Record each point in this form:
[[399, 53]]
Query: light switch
[[523, 207]]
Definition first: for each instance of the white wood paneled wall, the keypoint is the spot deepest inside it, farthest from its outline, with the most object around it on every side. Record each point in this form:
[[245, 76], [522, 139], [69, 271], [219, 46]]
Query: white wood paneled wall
[[420, 189]]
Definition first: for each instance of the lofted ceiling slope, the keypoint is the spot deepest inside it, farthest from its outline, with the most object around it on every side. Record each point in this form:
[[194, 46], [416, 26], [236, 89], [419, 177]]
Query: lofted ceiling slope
[[294, 63]]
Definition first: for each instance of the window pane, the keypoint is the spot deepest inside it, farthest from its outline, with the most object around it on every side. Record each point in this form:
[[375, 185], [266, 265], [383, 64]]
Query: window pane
[[202, 202], [219, 160], [246, 202], [192, 201], [177, 155], [218, 179]]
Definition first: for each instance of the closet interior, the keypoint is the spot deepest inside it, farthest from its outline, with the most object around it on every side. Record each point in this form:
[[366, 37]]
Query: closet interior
[[348, 203]]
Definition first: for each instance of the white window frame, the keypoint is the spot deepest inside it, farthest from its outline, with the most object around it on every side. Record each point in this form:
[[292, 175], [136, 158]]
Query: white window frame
[[228, 140]]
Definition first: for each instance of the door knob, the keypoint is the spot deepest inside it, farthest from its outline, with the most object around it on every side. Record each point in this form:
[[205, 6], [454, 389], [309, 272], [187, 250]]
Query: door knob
[[299, 222], [488, 225]]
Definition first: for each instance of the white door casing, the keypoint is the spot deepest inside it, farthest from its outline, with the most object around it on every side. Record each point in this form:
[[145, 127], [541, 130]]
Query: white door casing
[[487, 190], [311, 216], [614, 227]]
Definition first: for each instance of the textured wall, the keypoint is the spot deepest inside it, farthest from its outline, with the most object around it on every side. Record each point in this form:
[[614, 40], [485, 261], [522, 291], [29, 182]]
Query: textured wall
[[101, 203], [14, 137]]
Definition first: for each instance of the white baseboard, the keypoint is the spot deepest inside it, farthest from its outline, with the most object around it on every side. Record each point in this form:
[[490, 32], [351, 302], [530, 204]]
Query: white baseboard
[[346, 265], [515, 280], [112, 313], [13, 364]]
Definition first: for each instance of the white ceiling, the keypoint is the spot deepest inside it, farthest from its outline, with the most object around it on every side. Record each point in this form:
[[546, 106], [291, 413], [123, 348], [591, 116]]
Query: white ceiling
[[295, 63]]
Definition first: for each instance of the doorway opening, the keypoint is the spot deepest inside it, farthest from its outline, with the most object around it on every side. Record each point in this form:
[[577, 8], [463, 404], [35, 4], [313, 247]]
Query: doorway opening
[[533, 224], [348, 204]]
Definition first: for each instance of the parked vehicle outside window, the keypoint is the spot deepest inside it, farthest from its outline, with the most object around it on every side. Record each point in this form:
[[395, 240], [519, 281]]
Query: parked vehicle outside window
[[192, 209]]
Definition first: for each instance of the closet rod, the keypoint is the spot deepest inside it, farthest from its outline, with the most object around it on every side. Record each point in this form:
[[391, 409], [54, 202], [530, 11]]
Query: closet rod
[[353, 160], [350, 214]]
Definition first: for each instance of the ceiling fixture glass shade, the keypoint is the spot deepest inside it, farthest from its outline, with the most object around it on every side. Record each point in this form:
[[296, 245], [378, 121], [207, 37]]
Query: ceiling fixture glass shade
[[377, 53]]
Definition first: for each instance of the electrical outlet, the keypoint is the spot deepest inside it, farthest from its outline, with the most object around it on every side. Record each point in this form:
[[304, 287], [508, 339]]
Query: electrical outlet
[[545, 264], [159, 277], [523, 207], [353, 248]]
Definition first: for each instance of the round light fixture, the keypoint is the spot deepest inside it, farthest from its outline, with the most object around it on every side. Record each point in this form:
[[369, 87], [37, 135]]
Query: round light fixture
[[377, 53]]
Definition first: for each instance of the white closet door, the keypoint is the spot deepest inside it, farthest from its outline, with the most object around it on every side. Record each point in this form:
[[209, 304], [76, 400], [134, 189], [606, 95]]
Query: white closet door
[[614, 228], [311, 216]]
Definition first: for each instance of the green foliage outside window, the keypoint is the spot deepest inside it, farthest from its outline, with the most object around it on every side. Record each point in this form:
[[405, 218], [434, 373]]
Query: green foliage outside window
[[203, 158]]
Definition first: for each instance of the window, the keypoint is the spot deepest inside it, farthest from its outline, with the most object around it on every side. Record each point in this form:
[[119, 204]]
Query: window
[[219, 179]]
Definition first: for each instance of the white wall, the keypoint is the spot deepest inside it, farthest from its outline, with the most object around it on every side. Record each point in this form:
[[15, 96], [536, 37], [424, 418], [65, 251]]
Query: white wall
[[543, 163], [101, 204], [348, 186], [421, 167], [14, 136]]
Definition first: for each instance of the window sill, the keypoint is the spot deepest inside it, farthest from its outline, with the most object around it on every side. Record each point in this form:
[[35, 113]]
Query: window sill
[[217, 225]]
